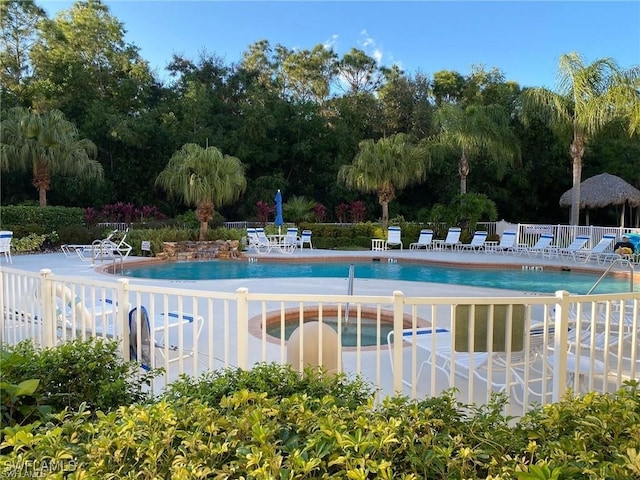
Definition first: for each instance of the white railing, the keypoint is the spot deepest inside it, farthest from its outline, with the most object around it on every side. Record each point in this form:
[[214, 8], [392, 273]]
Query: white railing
[[192, 331], [563, 235]]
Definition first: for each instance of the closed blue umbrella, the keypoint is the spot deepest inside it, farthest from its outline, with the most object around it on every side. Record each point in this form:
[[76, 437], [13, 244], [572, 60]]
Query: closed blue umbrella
[[279, 220]]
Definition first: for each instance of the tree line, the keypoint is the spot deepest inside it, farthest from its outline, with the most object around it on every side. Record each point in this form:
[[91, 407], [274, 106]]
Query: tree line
[[318, 126]]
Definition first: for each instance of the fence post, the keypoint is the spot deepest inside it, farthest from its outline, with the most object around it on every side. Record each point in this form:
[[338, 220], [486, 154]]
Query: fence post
[[398, 325], [242, 322], [122, 317], [48, 309], [560, 351]]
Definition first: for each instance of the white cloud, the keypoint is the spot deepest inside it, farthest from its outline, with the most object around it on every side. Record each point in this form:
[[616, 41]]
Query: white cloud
[[368, 41], [377, 55], [331, 43], [370, 47]]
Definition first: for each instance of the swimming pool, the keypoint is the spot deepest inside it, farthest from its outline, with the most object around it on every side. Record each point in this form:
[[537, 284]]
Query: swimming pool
[[509, 279]]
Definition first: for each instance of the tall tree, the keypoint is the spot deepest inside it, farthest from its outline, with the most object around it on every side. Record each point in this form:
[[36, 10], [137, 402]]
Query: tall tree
[[203, 177], [358, 73], [471, 131], [589, 97], [48, 143], [19, 21], [81, 57], [385, 167]]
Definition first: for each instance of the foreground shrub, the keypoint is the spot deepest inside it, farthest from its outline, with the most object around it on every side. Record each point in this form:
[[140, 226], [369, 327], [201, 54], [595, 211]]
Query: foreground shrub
[[253, 434], [88, 372], [20, 403], [277, 381]]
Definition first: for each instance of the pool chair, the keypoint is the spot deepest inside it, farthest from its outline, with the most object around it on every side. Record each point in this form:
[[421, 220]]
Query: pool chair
[[393, 238], [573, 249], [542, 246], [601, 253], [472, 353], [292, 238], [452, 241], [108, 248], [305, 238], [259, 241], [145, 335], [424, 240], [507, 243], [477, 242], [70, 250], [5, 244]]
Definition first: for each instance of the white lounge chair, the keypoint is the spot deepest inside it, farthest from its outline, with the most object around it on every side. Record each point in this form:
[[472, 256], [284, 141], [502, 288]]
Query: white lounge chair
[[424, 240], [572, 249], [477, 242], [263, 244], [107, 248], [452, 241], [507, 243], [71, 249], [542, 246], [602, 252], [393, 238], [5, 244]]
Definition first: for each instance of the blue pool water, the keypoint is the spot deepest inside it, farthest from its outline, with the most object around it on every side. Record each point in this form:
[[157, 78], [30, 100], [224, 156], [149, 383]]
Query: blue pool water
[[510, 279]]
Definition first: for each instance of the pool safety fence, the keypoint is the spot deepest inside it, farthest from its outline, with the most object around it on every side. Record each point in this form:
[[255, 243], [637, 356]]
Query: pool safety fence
[[530, 347]]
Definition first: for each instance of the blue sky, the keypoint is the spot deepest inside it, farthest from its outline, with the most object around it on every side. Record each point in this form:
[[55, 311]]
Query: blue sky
[[524, 39]]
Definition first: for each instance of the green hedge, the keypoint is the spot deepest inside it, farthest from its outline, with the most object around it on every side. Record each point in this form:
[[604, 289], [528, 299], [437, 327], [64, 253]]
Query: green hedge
[[271, 422], [24, 219], [251, 434]]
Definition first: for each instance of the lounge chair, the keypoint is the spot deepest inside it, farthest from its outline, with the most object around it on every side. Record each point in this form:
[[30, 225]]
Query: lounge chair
[[507, 243], [107, 248], [572, 249], [262, 243], [452, 241], [542, 246], [602, 252], [477, 242], [5, 244], [305, 238], [424, 240], [70, 250], [393, 238]]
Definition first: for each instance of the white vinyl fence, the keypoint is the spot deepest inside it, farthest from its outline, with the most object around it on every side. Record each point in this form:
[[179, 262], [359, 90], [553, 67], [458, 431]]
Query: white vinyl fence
[[532, 348]]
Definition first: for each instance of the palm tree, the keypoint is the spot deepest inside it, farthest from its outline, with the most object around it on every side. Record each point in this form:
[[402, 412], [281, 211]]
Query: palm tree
[[472, 131], [589, 97], [205, 178], [49, 144], [384, 167], [298, 209]]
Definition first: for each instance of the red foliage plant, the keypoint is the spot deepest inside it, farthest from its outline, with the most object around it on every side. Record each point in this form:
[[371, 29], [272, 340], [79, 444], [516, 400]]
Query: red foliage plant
[[264, 212], [358, 211], [320, 212], [341, 212]]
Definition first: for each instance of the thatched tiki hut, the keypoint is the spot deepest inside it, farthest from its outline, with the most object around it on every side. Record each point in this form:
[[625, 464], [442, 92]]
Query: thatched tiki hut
[[604, 190]]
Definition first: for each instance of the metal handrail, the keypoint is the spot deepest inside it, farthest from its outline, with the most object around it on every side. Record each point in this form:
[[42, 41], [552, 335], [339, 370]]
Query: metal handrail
[[349, 292], [620, 261]]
